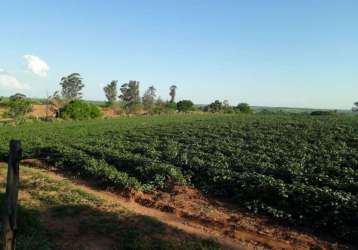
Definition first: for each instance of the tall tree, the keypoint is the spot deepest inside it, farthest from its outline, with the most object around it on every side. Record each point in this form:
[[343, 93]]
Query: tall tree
[[172, 93], [130, 93], [71, 86], [111, 91], [148, 98]]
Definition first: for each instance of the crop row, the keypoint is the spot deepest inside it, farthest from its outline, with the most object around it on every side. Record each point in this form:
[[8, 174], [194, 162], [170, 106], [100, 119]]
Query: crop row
[[298, 169]]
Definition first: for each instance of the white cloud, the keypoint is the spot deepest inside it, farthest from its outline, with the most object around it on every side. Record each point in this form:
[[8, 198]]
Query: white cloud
[[10, 82], [37, 65]]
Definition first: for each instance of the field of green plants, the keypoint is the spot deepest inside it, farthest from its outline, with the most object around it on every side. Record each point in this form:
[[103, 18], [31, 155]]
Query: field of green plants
[[296, 168]]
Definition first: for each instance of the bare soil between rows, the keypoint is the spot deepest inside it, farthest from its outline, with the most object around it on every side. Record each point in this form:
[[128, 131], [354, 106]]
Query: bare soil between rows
[[186, 208]]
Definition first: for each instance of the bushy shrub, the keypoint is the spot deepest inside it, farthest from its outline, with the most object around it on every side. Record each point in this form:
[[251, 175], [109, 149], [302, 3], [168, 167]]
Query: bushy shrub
[[171, 105], [19, 107], [164, 108], [80, 110], [229, 110], [185, 106], [134, 108], [216, 106], [244, 108]]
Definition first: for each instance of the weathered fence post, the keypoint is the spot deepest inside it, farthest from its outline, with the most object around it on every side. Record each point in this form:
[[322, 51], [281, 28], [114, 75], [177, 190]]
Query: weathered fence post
[[12, 185]]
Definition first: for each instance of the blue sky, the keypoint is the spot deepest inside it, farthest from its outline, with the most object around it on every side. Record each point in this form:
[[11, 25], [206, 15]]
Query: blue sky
[[272, 53]]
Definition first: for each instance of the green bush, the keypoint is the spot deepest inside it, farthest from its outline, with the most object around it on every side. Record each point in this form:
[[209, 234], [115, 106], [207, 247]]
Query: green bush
[[164, 108], [80, 110], [134, 108], [244, 108], [171, 105], [19, 107], [185, 106], [216, 106]]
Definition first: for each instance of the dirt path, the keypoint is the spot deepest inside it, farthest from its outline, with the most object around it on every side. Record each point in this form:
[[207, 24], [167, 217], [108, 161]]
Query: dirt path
[[184, 211], [167, 218]]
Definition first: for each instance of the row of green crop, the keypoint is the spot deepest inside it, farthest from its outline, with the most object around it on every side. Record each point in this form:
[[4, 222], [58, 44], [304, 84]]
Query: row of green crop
[[300, 169]]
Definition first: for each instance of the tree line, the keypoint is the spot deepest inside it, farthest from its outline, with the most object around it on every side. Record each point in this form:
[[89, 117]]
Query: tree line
[[67, 103], [129, 98]]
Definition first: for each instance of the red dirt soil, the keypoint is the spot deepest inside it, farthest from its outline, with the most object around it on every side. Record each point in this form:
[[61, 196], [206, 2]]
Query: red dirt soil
[[41, 111], [188, 209]]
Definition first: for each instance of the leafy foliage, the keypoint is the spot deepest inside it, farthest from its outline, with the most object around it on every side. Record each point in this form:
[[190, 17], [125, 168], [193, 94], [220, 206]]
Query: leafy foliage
[[162, 107], [301, 169], [71, 86], [216, 106], [244, 108], [19, 107], [111, 91], [185, 106], [130, 93], [148, 98], [80, 110], [130, 97]]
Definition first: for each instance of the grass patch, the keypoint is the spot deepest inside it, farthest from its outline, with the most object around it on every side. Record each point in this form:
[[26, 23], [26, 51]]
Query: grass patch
[[56, 214]]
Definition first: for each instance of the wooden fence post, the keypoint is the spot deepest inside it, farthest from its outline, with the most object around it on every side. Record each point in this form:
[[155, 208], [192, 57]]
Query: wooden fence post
[[12, 189]]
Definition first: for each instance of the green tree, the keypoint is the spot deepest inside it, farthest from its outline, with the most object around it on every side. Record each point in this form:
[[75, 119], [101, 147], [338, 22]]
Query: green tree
[[130, 93], [18, 108], [148, 98], [216, 106], [80, 110], [110, 91], [159, 106], [172, 93], [185, 106], [244, 108], [71, 86], [171, 106]]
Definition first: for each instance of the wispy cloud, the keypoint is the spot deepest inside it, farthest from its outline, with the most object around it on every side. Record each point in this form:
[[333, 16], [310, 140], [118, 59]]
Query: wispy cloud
[[37, 65], [10, 82]]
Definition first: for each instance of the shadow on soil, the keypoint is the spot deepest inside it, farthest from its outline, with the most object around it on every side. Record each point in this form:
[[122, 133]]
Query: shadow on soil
[[84, 227], [52, 156]]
